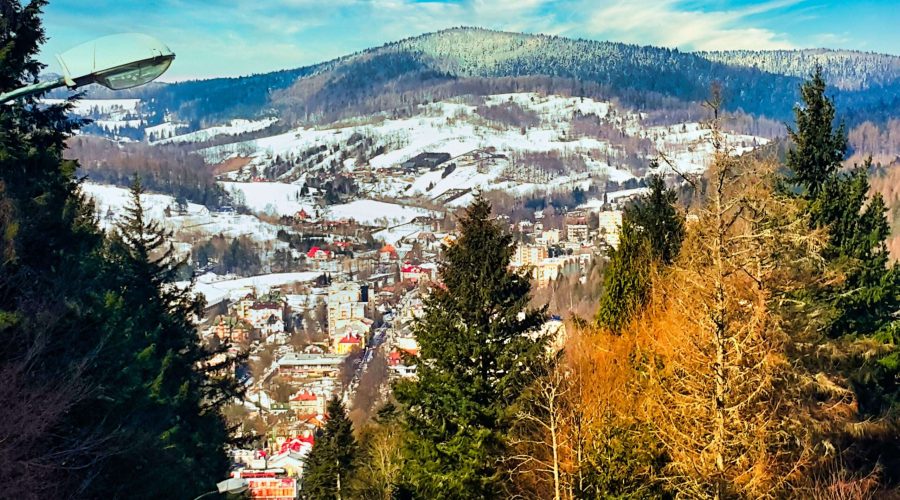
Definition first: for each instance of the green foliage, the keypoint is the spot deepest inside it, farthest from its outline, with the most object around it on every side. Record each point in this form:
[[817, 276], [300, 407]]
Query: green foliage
[[863, 303], [174, 437], [479, 349], [622, 464], [651, 235], [332, 461], [818, 150]]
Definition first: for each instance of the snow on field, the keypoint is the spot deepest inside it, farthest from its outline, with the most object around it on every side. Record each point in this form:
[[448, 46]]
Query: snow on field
[[110, 202], [552, 106], [163, 130], [233, 127], [216, 288], [597, 203], [273, 198], [115, 125], [85, 107], [375, 213]]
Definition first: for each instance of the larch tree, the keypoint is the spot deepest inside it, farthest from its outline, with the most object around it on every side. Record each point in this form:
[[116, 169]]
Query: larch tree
[[725, 398], [480, 346]]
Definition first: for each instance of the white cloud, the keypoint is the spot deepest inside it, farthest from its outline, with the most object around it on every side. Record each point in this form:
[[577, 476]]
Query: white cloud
[[667, 23]]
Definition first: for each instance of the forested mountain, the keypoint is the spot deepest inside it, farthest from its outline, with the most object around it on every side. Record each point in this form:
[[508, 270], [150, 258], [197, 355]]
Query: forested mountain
[[399, 75], [844, 69]]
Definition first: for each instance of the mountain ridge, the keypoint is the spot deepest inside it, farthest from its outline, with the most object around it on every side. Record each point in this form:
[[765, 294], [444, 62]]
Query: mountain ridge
[[470, 59]]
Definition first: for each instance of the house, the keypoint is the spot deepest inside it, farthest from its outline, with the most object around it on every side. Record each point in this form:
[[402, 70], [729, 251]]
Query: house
[[398, 365], [350, 342], [387, 253], [316, 253], [302, 215], [417, 274], [267, 317], [302, 366], [233, 329], [307, 403]]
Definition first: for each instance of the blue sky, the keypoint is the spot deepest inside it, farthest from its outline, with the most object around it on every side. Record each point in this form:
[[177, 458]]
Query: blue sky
[[238, 37]]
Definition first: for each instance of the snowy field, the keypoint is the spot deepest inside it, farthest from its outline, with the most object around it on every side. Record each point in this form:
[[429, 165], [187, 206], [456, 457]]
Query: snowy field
[[374, 213], [273, 198], [111, 201], [233, 127], [216, 288]]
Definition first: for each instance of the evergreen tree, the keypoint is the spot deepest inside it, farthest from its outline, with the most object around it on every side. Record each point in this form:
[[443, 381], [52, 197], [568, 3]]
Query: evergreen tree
[[165, 384], [818, 148], [51, 293], [651, 235], [864, 302], [479, 349], [331, 462]]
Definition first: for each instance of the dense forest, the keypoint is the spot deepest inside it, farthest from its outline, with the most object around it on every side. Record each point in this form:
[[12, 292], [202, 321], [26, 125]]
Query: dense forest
[[168, 169]]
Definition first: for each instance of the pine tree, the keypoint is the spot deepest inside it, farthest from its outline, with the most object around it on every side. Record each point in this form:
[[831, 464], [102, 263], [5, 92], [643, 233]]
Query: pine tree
[[651, 234], [166, 383], [331, 462], [479, 349]]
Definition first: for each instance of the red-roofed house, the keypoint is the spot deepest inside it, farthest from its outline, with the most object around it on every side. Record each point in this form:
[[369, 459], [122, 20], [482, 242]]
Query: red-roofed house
[[415, 274], [349, 343], [307, 403], [317, 253], [387, 253]]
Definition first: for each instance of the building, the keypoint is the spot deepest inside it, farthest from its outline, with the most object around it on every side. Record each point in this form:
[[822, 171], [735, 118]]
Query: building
[[529, 255], [416, 274], [387, 253], [307, 403], [316, 253], [610, 221], [267, 317], [424, 160], [346, 301], [548, 237], [302, 366], [349, 343], [577, 232]]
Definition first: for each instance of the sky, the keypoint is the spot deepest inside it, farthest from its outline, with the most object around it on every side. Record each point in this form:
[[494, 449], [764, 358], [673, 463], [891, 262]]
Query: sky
[[213, 38]]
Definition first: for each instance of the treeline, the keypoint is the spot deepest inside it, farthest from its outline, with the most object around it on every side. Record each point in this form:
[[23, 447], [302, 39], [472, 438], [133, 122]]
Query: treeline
[[166, 169], [239, 256], [107, 392]]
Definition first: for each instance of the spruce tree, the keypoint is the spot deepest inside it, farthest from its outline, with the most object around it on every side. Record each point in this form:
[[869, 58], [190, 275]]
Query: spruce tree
[[330, 464], [51, 288], [165, 385], [479, 348], [864, 302], [651, 235], [818, 148]]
